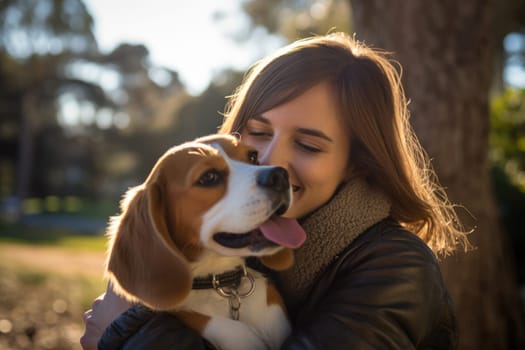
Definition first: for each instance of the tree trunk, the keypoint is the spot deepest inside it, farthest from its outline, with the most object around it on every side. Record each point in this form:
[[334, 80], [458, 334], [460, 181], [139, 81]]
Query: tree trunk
[[447, 51]]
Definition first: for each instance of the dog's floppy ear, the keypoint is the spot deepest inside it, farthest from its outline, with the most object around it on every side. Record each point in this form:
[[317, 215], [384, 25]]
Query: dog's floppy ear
[[279, 261], [143, 262]]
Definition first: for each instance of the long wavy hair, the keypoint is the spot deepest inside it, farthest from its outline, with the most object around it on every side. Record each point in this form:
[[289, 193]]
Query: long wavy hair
[[383, 147]]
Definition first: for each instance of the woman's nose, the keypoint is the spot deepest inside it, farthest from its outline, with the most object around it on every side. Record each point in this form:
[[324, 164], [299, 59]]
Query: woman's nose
[[273, 154]]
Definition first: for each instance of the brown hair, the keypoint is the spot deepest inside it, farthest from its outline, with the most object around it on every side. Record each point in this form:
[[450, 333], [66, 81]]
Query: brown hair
[[383, 147]]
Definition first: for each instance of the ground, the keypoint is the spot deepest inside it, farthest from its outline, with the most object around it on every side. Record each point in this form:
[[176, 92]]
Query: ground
[[44, 291]]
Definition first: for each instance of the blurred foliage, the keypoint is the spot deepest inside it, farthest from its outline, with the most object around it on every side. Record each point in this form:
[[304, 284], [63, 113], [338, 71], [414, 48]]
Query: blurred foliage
[[45, 26], [507, 136], [507, 152], [295, 19], [78, 123], [63, 105], [204, 114]]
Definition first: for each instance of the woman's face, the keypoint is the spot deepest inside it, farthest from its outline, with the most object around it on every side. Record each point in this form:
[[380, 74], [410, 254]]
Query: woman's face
[[306, 136]]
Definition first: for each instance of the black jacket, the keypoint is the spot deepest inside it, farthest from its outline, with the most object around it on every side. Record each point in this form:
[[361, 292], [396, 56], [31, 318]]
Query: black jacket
[[385, 291]]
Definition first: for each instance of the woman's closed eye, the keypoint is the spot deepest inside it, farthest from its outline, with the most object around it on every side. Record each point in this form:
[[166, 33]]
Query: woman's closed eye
[[302, 145], [258, 133], [307, 147]]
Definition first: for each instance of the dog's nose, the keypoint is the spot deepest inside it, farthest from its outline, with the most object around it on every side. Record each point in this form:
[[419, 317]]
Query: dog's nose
[[275, 178]]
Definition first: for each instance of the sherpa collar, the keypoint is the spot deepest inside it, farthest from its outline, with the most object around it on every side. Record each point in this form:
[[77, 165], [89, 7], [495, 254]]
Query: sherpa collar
[[330, 229]]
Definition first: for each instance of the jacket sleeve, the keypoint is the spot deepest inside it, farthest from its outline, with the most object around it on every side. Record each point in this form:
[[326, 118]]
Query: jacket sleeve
[[142, 329], [384, 293]]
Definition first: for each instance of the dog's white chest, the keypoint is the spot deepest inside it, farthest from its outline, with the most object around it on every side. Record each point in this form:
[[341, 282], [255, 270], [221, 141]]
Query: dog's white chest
[[260, 325]]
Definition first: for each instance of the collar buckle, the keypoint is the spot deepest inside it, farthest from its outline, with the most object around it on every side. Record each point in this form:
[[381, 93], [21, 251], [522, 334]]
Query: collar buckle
[[233, 292]]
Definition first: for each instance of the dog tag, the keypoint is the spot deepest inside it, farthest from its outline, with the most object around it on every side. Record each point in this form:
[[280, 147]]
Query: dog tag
[[235, 304]]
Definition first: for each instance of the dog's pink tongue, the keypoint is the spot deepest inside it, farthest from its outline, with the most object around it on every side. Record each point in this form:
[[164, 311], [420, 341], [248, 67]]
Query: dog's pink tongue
[[285, 232]]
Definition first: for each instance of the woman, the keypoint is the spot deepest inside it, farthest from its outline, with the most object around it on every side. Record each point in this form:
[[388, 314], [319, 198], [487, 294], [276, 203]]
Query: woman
[[332, 112]]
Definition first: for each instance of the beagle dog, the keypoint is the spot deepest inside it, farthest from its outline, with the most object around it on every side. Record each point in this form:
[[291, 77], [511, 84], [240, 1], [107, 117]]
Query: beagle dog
[[180, 242]]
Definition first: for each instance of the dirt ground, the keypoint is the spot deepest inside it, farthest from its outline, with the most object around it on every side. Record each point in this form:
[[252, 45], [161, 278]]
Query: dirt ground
[[53, 259], [44, 292]]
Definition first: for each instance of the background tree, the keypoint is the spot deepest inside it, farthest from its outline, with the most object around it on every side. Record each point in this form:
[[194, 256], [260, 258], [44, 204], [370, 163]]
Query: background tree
[[36, 39], [63, 104], [448, 51], [146, 102], [202, 115]]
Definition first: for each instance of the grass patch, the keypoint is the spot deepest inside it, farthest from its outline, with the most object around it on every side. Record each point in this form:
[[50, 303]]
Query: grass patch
[[91, 243], [31, 278], [20, 234], [95, 243]]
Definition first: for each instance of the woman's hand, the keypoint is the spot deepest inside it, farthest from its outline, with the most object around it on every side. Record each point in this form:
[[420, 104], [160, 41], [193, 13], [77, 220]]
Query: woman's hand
[[104, 310], [141, 328]]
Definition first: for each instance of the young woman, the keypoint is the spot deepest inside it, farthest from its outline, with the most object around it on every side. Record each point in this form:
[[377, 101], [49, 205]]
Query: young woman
[[333, 113]]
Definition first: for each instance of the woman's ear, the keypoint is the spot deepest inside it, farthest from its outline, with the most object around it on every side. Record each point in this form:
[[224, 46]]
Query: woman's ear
[[279, 261], [143, 262]]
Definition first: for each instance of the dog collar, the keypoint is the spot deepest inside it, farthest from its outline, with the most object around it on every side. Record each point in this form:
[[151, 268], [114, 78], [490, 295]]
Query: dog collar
[[230, 279], [227, 285]]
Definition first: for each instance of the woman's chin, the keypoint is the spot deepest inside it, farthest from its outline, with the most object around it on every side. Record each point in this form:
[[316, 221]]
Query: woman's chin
[[289, 215], [295, 212], [292, 213]]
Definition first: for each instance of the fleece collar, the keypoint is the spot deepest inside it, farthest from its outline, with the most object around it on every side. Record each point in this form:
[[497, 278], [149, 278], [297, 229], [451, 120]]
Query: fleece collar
[[329, 230]]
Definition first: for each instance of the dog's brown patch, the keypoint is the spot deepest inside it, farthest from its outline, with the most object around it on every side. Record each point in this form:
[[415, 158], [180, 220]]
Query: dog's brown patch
[[273, 297], [279, 261]]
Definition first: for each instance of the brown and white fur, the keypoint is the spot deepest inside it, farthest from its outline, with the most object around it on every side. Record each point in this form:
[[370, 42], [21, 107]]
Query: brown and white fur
[[164, 238]]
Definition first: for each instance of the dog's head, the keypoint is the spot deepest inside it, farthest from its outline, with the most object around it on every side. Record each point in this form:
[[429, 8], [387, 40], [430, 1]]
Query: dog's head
[[205, 195]]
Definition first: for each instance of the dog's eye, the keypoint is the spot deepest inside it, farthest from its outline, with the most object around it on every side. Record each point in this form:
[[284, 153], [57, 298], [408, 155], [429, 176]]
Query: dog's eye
[[253, 157], [210, 178]]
